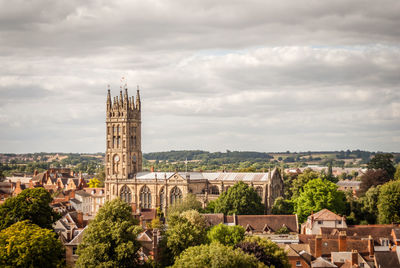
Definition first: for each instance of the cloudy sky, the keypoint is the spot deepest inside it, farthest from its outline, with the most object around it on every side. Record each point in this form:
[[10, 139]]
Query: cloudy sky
[[214, 75]]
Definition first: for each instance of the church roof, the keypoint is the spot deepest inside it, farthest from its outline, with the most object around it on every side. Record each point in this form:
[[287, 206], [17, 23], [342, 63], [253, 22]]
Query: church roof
[[211, 176]]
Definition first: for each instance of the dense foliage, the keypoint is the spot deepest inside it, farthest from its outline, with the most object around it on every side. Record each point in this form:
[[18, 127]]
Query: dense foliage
[[189, 202], [319, 194], [240, 199], [24, 244], [110, 239], [389, 203], [265, 251], [282, 206], [384, 162], [30, 204], [185, 230], [226, 235], [373, 178], [215, 255]]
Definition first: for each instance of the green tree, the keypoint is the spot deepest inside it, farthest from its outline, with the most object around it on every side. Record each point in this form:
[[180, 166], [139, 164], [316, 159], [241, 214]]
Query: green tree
[[94, 183], [210, 207], [215, 255], [397, 173], [265, 251], [373, 178], [319, 194], [282, 206], [226, 235], [301, 180], [189, 202], [384, 162], [369, 204], [389, 203], [24, 244], [110, 239], [30, 204], [185, 230], [240, 199]]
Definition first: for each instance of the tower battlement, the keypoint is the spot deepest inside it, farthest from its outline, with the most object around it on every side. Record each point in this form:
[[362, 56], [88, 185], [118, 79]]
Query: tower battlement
[[123, 105]]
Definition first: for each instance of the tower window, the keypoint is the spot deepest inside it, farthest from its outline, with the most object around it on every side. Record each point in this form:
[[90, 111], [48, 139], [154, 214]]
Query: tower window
[[118, 141], [114, 141], [123, 129]]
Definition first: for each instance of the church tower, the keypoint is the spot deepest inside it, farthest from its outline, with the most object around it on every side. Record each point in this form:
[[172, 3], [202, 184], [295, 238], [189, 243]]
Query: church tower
[[123, 147]]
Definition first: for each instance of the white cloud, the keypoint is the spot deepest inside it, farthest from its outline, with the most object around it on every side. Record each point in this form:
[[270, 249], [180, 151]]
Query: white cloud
[[254, 75]]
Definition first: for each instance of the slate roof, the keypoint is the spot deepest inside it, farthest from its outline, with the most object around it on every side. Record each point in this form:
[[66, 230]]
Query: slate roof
[[211, 176]]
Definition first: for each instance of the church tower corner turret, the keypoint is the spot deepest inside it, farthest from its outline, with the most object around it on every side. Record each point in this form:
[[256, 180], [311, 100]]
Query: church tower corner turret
[[123, 158]]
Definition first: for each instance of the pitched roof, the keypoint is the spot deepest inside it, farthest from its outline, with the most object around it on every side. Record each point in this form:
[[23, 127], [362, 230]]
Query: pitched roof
[[214, 218], [377, 231], [387, 259], [274, 222], [326, 215], [77, 239], [322, 263]]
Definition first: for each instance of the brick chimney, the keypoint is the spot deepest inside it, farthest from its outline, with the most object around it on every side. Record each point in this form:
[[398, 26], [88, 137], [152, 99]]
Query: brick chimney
[[318, 246], [342, 241], [141, 221], [370, 246], [80, 218], [354, 258]]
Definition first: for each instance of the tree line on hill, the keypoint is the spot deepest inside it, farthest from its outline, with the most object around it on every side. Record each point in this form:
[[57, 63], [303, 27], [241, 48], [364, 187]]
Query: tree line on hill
[[378, 200]]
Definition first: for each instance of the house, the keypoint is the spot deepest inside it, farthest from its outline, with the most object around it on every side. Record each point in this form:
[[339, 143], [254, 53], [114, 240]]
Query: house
[[323, 218], [82, 202], [98, 198]]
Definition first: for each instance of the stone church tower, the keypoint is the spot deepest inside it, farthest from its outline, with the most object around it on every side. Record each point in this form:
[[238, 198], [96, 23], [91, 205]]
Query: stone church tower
[[124, 150]]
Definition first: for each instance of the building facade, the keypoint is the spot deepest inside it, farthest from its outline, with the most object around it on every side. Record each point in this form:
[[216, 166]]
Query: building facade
[[150, 190]]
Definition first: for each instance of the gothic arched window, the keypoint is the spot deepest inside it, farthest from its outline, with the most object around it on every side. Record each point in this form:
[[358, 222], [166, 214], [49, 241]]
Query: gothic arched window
[[175, 195], [259, 191], [126, 194], [145, 197], [162, 198], [214, 190]]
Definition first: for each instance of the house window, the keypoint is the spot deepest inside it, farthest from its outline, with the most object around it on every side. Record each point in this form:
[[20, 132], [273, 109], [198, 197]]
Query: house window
[[319, 222], [74, 249], [298, 263], [339, 222]]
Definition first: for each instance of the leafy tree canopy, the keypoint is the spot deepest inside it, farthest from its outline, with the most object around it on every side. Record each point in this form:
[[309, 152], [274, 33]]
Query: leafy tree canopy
[[369, 204], [389, 202], [282, 206], [110, 239], [24, 244], [185, 230], [265, 251], [226, 235], [189, 202], [397, 173], [383, 161], [301, 180], [215, 255], [30, 204], [94, 183], [373, 178], [319, 194], [240, 199]]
